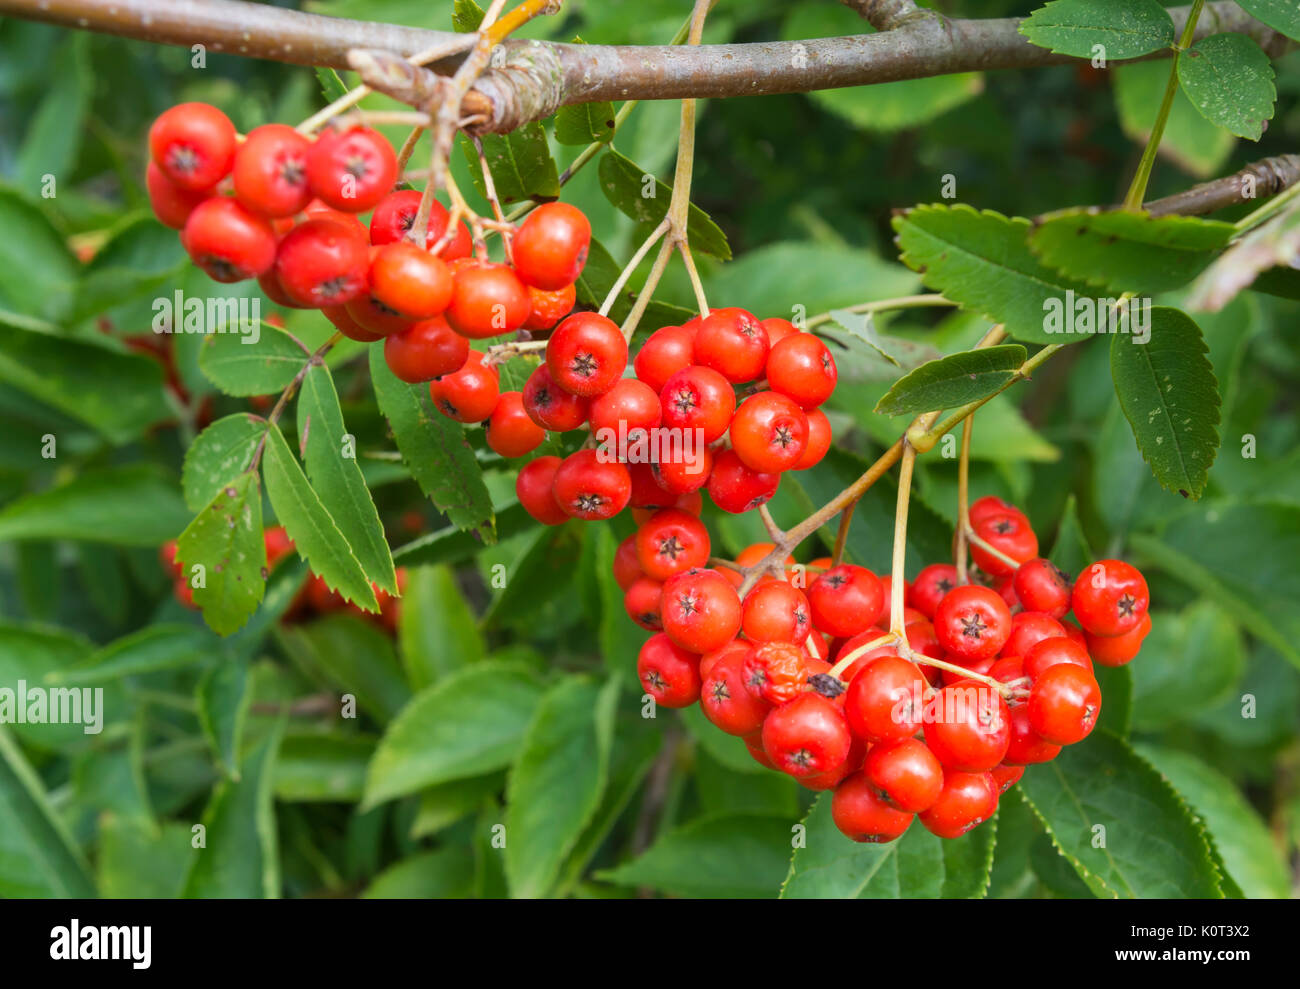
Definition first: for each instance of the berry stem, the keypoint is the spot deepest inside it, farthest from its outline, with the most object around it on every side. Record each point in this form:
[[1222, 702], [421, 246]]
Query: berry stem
[[842, 534], [850, 657], [897, 577], [694, 274], [986, 546], [769, 523], [883, 305], [963, 499], [502, 352], [630, 267], [647, 290]]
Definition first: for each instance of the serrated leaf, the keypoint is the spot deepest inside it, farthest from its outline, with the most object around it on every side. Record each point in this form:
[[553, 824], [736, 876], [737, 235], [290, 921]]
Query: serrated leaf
[[520, 162], [981, 260], [1128, 251], [1153, 845], [241, 367], [637, 194], [123, 506], [434, 449], [1170, 397], [1282, 15], [218, 454], [953, 380], [916, 866], [1190, 661], [1229, 80], [467, 725], [1120, 28], [1190, 141], [313, 531], [330, 458], [557, 781], [331, 84], [222, 698], [436, 628], [225, 539]]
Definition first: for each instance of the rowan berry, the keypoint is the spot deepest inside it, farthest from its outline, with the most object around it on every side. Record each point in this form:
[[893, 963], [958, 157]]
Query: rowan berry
[[1116, 650], [698, 398], [1005, 777], [777, 330], [468, 394], [802, 368], [548, 308], [1009, 533], [972, 730], [194, 145], [1110, 597], [684, 464], [886, 700], [591, 488], [733, 343], [349, 327], [627, 567], [395, 215], [270, 171], [930, 587], [667, 351], [807, 736], [376, 317], [966, 800], [550, 247], [819, 440], [277, 544], [701, 610], [1052, 652], [428, 350], [736, 647], [671, 542], [510, 432], [845, 600], [1025, 747], [227, 241], [351, 170], [906, 772], [735, 488], [410, 280], [487, 300], [774, 611], [1042, 586], [550, 406], [535, 489], [860, 812], [1063, 704], [586, 354], [627, 411], [323, 263], [1028, 628], [724, 698], [643, 601], [769, 433], [669, 673], [972, 622], [172, 204], [989, 505]]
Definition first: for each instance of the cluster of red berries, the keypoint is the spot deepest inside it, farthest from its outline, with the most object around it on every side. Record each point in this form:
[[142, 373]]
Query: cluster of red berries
[[794, 672], [315, 598]]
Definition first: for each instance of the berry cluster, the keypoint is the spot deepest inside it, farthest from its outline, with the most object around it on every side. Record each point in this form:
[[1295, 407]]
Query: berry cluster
[[815, 686]]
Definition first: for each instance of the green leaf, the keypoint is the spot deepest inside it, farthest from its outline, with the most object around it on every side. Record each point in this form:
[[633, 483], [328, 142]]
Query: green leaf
[[38, 274], [1101, 791], [520, 162], [728, 855], [329, 452], [467, 725], [637, 194], [1121, 28], [241, 857], [1243, 840], [225, 539], [38, 857], [118, 394], [218, 455], [1230, 81], [447, 803], [354, 656], [918, 865], [1190, 141], [981, 260], [319, 767], [557, 781], [585, 123], [123, 506], [434, 449], [599, 275], [54, 134], [222, 697], [137, 861], [862, 326], [452, 545], [436, 628], [953, 380], [38, 654], [466, 16], [332, 86], [1128, 251], [726, 750], [1190, 662], [447, 873], [153, 648], [310, 525], [1282, 15], [243, 364], [1071, 551], [1170, 397]]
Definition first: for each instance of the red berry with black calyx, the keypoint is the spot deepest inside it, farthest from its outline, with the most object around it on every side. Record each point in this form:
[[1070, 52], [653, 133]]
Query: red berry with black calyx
[[628, 410], [801, 367], [487, 300], [395, 215], [1005, 777], [171, 203], [510, 432], [411, 281], [735, 488], [270, 171], [1009, 533], [886, 700], [667, 351], [846, 600], [377, 317], [1116, 650], [1110, 598], [1053, 652], [776, 671], [643, 602], [972, 623], [1028, 628], [1042, 586], [227, 241], [906, 773], [698, 398], [972, 731], [550, 406], [989, 505], [774, 611], [1063, 704], [769, 433], [733, 343], [591, 488], [931, 586], [724, 698], [351, 170], [534, 487], [670, 542], [807, 736], [668, 673], [861, 814], [701, 610], [194, 145], [586, 354], [684, 464], [966, 800], [428, 350], [467, 395], [324, 263], [550, 247]]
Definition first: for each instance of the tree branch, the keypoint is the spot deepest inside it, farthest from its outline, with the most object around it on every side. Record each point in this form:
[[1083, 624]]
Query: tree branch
[[918, 47]]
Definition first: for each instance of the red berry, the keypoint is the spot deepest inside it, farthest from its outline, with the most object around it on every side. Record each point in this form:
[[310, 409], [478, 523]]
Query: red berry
[[1116, 650], [469, 394], [724, 698], [586, 354], [1041, 586], [698, 398], [534, 487], [735, 488], [671, 542], [906, 773], [194, 145], [972, 622], [410, 280], [323, 263], [376, 317], [550, 406], [684, 464], [819, 440], [487, 300], [509, 430], [395, 214], [1063, 704], [1010, 534], [428, 350], [1005, 777], [669, 674], [776, 671], [548, 308], [171, 203], [349, 327], [1052, 652], [774, 611], [270, 173], [802, 368], [227, 241], [860, 813], [754, 743], [643, 602], [550, 247], [967, 799], [846, 600], [352, 170], [667, 351], [1028, 628], [627, 411], [733, 343], [972, 730], [807, 736], [591, 488], [886, 700], [989, 505], [1110, 598], [930, 587], [701, 610], [777, 330], [1025, 747], [769, 433], [627, 568]]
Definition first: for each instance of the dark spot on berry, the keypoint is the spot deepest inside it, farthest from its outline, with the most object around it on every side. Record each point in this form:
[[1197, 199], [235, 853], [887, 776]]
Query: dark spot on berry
[[826, 685], [974, 626]]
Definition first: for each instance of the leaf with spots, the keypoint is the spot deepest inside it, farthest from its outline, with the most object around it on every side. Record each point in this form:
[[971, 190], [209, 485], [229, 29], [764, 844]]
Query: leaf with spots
[[1170, 397], [1119, 28], [225, 539], [1229, 80], [241, 368], [220, 452], [520, 163]]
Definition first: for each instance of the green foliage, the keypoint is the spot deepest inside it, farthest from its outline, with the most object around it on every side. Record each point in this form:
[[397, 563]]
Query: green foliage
[[1115, 29], [953, 380], [638, 194], [1230, 81]]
